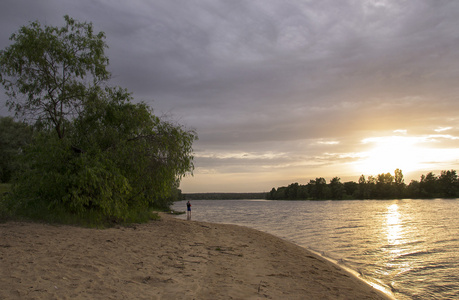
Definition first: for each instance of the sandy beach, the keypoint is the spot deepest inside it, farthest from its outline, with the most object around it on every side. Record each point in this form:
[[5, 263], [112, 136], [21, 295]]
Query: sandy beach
[[166, 259]]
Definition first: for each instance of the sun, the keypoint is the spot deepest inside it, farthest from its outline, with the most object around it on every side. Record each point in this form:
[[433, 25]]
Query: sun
[[388, 153]]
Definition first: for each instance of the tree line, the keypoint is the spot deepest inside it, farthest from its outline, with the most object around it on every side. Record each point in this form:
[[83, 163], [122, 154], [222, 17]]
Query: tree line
[[382, 186], [223, 196], [81, 148]]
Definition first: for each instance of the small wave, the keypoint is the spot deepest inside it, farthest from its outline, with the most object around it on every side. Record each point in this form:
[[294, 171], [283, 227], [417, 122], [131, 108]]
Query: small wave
[[392, 287], [349, 227], [427, 271], [413, 254], [447, 241], [413, 243]]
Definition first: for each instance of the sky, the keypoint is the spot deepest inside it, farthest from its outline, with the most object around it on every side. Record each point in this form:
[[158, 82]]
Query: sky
[[283, 91]]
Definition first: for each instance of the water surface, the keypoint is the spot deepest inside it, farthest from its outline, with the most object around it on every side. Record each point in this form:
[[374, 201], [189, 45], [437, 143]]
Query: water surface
[[410, 247]]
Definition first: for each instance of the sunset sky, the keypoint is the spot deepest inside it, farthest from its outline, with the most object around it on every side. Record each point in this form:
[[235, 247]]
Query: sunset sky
[[284, 91]]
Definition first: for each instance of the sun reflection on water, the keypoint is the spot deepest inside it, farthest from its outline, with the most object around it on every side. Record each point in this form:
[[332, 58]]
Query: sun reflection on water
[[394, 226], [395, 245]]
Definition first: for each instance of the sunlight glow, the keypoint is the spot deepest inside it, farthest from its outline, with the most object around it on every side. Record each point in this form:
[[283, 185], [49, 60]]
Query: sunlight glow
[[407, 153], [328, 142], [443, 129], [390, 153]]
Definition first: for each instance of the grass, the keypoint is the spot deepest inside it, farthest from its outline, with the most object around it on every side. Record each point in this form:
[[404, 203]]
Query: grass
[[91, 218], [4, 188], [38, 211]]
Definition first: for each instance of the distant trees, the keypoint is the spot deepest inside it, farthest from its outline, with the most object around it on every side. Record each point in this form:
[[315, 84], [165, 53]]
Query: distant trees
[[318, 188], [337, 189], [223, 196], [448, 184], [383, 186], [431, 186]]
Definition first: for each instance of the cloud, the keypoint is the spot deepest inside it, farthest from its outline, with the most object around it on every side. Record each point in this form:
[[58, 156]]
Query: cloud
[[295, 85]]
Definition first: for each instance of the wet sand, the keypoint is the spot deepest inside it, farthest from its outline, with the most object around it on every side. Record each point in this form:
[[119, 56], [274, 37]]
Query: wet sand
[[166, 259]]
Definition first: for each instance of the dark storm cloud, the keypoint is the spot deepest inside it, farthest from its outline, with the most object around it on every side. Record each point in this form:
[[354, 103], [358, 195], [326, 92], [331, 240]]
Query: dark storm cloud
[[271, 76]]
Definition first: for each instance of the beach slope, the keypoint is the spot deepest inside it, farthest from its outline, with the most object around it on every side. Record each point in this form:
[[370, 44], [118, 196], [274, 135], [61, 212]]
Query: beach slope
[[166, 259]]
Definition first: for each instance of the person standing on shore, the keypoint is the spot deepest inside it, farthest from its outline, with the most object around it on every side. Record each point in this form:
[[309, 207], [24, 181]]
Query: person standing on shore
[[188, 210]]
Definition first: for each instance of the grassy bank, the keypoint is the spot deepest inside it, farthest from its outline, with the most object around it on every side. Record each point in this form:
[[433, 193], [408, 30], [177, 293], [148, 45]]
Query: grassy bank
[[4, 189], [43, 213]]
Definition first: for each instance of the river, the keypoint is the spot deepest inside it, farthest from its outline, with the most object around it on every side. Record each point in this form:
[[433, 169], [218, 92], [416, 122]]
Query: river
[[409, 247]]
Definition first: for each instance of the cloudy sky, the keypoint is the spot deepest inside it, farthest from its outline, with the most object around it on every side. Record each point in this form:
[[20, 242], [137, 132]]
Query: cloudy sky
[[283, 91]]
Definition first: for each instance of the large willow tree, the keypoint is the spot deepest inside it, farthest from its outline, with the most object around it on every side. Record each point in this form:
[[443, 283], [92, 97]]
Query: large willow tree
[[94, 149], [49, 71]]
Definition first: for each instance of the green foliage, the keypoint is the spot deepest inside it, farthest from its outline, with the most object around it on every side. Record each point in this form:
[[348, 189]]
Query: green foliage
[[95, 155], [54, 68], [125, 159], [152, 153], [337, 189], [4, 191], [43, 175], [449, 184], [318, 189], [97, 185], [14, 137]]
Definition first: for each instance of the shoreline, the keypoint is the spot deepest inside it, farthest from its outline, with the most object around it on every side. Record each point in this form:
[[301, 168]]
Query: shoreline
[[166, 259], [374, 285]]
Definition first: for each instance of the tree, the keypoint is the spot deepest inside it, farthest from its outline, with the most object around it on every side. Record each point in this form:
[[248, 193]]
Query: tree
[[271, 195], [14, 137], [362, 189], [337, 188], [449, 184], [318, 189], [398, 177], [94, 150], [399, 183], [351, 190], [126, 159], [303, 192], [385, 179], [152, 153], [428, 185], [281, 193], [371, 187], [384, 186], [55, 69], [292, 191], [413, 189]]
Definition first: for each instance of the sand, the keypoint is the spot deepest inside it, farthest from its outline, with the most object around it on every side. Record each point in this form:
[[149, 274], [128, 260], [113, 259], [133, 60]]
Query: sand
[[166, 259]]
